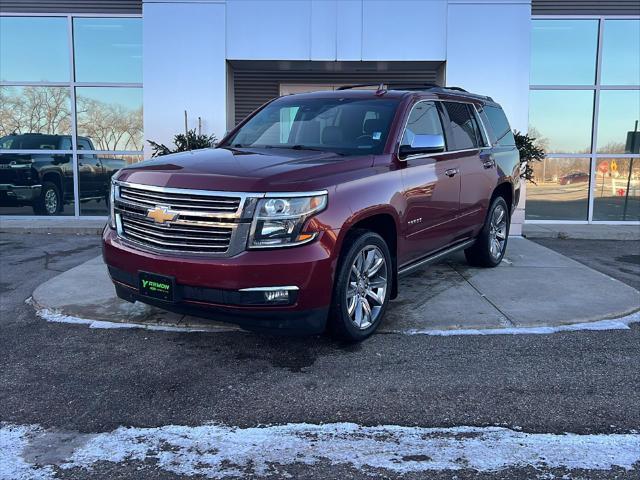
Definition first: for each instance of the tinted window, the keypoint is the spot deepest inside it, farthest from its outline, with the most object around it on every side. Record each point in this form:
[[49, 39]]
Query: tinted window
[[116, 42], [618, 120], [463, 126], [621, 52], [560, 120], [423, 120], [500, 126], [34, 49], [563, 52]]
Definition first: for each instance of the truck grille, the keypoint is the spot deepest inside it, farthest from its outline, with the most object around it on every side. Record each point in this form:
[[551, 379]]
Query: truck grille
[[205, 223], [178, 201]]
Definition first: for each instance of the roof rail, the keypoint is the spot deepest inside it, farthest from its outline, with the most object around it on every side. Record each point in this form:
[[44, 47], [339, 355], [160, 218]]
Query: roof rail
[[411, 86]]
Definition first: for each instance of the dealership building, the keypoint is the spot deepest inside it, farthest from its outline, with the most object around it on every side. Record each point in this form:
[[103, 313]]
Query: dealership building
[[85, 84]]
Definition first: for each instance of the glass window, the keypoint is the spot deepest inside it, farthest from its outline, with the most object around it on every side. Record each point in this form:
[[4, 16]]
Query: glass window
[[110, 118], [618, 120], [34, 49], [560, 191], [40, 184], [94, 178], [108, 49], [561, 120], [424, 120], [342, 125], [500, 126], [621, 52], [463, 127], [563, 52], [617, 189], [29, 111]]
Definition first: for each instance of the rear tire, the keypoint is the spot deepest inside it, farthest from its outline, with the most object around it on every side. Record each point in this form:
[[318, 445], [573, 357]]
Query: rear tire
[[50, 200], [362, 288], [490, 246]]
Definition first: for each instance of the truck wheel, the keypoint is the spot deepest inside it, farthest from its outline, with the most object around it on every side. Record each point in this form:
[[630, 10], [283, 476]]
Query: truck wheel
[[489, 248], [50, 201], [362, 288]]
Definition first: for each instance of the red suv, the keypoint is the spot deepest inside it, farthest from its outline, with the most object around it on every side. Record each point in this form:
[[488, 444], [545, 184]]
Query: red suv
[[305, 215]]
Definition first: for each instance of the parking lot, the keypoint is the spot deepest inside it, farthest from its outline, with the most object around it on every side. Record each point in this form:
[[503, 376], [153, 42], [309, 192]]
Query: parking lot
[[64, 386]]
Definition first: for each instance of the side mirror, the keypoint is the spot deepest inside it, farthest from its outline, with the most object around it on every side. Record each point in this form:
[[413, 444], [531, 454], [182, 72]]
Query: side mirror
[[423, 144]]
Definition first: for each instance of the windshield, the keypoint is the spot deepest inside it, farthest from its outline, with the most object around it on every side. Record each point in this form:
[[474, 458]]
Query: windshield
[[346, 126], [35, 142]]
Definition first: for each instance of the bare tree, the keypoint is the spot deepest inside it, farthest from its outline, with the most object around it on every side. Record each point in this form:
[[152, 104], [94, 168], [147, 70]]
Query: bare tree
[[48, 110], [35, 110]]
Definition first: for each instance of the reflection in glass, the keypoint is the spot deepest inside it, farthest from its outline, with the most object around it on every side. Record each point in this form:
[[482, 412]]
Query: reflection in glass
[[109, 118], [617, 189], [34, 110], [108, 49], [563, 52], [39, 184], [34, 49], [561, 120], [618, 120], [561, 190], [621, 52], [94, 177]]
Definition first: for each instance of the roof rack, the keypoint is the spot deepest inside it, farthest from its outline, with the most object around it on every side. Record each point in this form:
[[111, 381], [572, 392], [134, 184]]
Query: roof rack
[[412, 87]]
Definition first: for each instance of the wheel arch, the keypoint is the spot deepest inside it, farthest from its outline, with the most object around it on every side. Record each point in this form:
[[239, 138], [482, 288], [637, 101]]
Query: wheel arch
[[384, 223], [56, 179], [504, 190]]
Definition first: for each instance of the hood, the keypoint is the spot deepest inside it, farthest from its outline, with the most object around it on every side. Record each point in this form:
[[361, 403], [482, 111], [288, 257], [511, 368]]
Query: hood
[[248, 170]]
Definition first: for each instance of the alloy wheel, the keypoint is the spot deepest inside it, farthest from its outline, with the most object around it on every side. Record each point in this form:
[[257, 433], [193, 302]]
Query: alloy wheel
[[367, 287], [51, 201], [498, 231]]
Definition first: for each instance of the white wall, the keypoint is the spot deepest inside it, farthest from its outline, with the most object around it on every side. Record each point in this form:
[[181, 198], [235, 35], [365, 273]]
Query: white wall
[[336, 29], [183, 68]]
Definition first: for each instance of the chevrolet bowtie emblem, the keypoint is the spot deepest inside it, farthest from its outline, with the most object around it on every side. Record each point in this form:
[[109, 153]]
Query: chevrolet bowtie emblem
[[161, 214]]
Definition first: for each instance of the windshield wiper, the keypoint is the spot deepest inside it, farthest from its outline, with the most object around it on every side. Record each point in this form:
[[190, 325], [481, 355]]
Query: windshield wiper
[[304, 147]]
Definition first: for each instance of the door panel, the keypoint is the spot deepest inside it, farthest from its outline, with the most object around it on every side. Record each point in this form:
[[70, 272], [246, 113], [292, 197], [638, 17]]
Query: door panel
[[477, 183], [432, 199]]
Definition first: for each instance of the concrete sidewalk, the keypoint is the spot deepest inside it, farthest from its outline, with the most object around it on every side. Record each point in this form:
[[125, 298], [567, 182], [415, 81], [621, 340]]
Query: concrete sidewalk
[[533, 287]]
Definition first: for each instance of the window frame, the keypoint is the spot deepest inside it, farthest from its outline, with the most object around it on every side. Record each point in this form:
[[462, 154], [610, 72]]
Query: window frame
[[597, 87], [72, 85], [442, 127], [442, 111]]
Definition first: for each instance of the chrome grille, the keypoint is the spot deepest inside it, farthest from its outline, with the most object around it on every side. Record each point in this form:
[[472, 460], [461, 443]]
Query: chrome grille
[[180, 200], [208, 223]]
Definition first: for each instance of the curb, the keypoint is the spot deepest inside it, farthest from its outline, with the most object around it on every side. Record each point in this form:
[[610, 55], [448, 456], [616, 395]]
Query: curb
[[71, 226]]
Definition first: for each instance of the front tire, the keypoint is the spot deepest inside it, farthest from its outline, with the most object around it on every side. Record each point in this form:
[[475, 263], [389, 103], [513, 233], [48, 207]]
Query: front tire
[[50, 201], [490, 246], [362, 288]]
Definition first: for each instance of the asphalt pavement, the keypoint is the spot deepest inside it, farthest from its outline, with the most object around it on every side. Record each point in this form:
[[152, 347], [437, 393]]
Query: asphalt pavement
[[74, 379]]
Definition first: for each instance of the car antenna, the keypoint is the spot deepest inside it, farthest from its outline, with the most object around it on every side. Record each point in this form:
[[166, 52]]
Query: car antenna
[[381, 90]]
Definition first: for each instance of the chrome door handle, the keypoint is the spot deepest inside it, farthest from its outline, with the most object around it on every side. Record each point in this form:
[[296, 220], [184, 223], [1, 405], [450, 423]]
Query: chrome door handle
[[489, 161], [451, 172]]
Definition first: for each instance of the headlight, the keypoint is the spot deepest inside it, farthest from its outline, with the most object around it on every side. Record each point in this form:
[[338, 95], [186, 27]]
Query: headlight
[[278, 222], [112, 208]]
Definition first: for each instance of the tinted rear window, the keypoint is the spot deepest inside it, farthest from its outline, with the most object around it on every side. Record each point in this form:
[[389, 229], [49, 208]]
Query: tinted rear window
[[463, 127], [500, 126]]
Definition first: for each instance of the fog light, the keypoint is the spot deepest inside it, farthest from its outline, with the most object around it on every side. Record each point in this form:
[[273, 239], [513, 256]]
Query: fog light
[[277, 296], [269, 295]]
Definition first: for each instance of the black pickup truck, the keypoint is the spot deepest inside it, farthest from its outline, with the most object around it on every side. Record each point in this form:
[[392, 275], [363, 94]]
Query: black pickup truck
[[44, 180]]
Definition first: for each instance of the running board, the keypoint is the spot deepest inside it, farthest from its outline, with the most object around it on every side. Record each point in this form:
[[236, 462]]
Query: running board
[[434, 257]]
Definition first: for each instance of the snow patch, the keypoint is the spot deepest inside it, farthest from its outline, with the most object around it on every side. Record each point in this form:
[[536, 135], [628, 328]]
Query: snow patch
[[217, 451], [613, 324], [56, 317], [13, 440]]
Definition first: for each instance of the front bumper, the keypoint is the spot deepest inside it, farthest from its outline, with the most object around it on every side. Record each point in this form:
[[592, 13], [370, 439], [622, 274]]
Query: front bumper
[[210, 287], [20, 193]]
